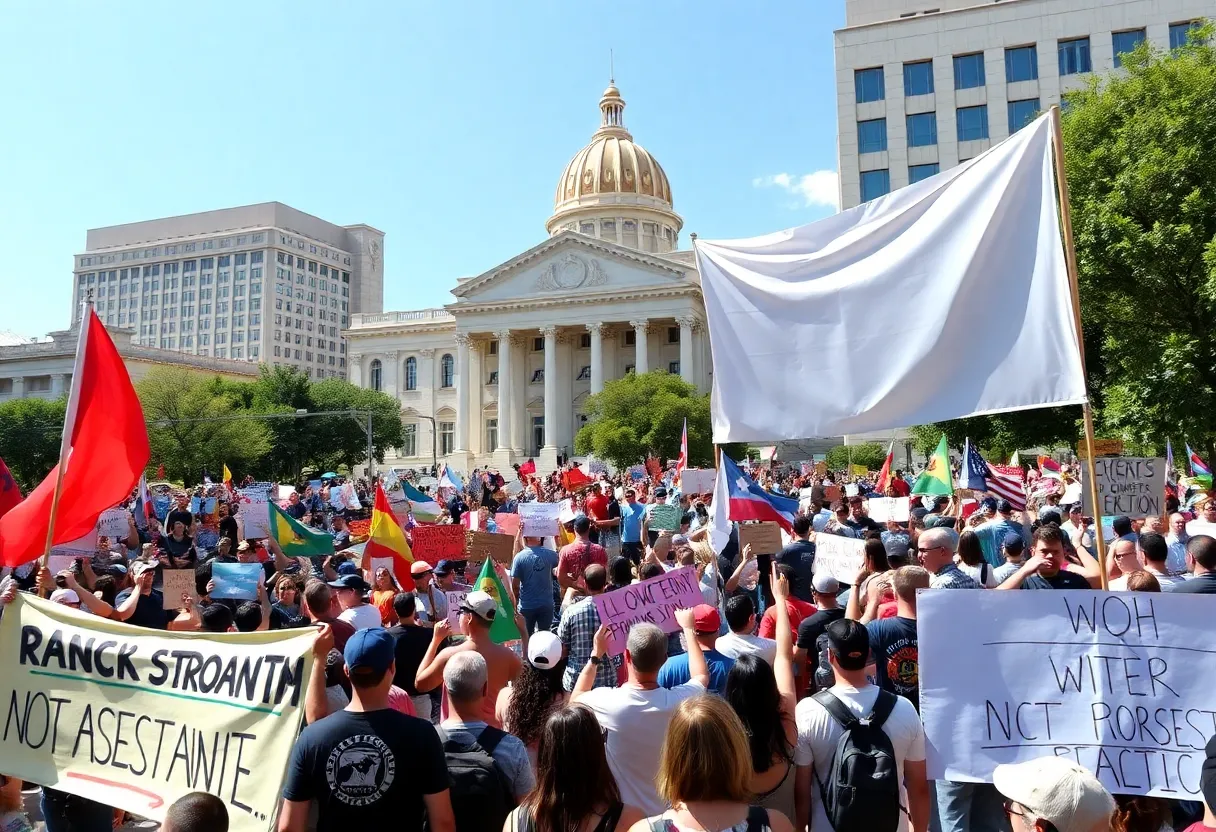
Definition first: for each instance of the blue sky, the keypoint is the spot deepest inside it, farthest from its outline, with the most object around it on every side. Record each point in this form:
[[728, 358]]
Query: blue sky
[[445, 125]]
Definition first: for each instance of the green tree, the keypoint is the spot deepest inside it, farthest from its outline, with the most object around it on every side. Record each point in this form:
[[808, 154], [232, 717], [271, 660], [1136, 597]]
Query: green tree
[[870, 454], [342, 440], [1000, 435], [179, 406], [30, 431]]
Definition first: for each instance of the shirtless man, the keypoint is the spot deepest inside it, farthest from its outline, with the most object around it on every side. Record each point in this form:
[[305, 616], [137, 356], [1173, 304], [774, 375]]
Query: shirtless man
[[477, 613]]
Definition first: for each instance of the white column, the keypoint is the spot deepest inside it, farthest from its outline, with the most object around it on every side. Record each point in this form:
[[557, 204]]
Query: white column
[[462, 392], [389, 371], [57, 384], [504, 387], [548, 454], [520, 423], [354, 364], [19, 387], [687, 370], [597, 356], [641, 362]]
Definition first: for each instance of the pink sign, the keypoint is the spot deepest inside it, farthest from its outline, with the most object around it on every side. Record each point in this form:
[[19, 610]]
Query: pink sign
[[654, 601]]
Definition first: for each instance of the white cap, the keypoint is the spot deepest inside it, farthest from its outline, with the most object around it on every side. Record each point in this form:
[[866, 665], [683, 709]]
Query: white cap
[[480, 604], [65, 596], [544, 650], [825, 584], [1057, 790]]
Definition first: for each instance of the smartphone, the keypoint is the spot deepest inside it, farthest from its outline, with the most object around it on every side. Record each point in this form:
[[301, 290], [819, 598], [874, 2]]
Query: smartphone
[[1089, 521]]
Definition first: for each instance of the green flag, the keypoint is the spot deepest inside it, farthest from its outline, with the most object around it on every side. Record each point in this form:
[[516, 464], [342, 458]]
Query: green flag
[[935, 479], [296, 539], [503, 629]]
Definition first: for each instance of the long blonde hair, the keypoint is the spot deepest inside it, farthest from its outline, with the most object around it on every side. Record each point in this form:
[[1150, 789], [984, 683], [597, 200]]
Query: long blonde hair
[[705, 754]]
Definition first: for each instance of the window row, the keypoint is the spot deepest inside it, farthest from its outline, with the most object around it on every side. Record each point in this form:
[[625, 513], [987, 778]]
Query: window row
[[447, 373], [971, 123]]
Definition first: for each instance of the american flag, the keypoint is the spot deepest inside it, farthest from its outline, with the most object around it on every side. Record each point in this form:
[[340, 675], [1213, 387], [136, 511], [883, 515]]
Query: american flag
[[1005, 481]]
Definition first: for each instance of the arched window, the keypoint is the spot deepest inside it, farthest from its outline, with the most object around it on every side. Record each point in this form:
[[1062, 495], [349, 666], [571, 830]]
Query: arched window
[[411, 373], [447, 371], [375, 374]]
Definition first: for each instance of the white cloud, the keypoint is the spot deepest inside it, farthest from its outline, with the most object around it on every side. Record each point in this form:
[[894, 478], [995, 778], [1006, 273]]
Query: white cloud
[[818, 188]]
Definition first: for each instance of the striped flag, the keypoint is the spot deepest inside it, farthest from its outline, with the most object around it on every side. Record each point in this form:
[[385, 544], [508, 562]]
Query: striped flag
[[1006, 482], [682, 462]]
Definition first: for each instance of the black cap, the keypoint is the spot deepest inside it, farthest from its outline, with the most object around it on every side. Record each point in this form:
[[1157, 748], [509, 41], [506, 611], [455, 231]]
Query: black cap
[[350, 582], [849, 642]]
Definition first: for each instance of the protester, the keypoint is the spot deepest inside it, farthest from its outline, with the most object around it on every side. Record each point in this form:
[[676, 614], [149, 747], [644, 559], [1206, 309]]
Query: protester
[[620, 573], [859, 521], [676, 671], [1013, 549], [812, 650], [532, 582], [574, 558], [1121, 560], [635, 715], [319, 604], [799, 556], [384, 591], [287, 601], [1053, 793], [141, 605], [351, 593], [632, 514], [1140, 813], [838, 523], [991, 534], [704, 774], [577, 632], [383, 741], [1207, 788], [196, 812], [972, 561], [524, 707], [1045, 569], [893, 640], [1201, 558], [1176, 540], [874, 564], [797, 610], [936, 549], [410, 644], [741, 640]]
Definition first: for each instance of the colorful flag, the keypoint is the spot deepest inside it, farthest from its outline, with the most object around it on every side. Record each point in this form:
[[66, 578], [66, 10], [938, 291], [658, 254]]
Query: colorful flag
[[227, 476], [884, 476], [935, 479], [526, 468], [387, 540], [144, 509], [574, 479], [682, 462], [1199, 471], [103, 451], [10, 494], [1006, 481], [296, 539], [974, 474], [748, 501], [503, 629], [448, 478], [423, 508], [1048, 467]]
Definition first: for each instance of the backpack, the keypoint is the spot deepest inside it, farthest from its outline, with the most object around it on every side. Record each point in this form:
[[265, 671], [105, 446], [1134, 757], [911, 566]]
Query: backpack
[[481, 795], [824, 677], [757, 821], [862, 792]]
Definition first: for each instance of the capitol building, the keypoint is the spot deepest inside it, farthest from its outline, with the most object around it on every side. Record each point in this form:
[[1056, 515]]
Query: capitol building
[[501, 374]]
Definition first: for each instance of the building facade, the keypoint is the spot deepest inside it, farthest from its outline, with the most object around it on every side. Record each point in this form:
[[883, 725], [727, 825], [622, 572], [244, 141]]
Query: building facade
[[259, 283], [923, 85]]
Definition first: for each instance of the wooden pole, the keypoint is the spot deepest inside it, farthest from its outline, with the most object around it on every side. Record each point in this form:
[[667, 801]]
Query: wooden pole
[[1074, 286]]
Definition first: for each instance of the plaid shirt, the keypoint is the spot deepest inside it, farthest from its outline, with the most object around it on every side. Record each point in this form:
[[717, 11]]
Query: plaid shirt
[[577, 631], [951, 577]]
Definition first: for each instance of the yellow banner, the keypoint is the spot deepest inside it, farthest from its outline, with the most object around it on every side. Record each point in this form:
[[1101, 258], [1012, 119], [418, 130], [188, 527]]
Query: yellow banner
[[858, 470], [136, 718]]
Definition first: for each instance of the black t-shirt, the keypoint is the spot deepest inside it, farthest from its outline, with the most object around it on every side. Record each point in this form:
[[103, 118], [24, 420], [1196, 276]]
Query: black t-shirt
[[412, 643], [176, 548], [228, 529], [1204, 584], [367, 770], [896, 656], [1068, 580], [149, 610], [809, 631], [182, 514], [799, 556]]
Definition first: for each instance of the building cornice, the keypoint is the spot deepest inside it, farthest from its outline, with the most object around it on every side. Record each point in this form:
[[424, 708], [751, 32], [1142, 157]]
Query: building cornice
[[582, 299]]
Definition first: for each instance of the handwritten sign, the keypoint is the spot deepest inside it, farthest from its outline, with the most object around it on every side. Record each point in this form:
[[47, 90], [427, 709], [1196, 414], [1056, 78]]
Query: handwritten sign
[[435, 543], [82, 547], [455, 598], [238, 581], [255, 512], [765, 538], [1128, 486], [1113, 681], [113, 523], [654, 601], [1102, 447], [884, 509], [840, 557], [507, 523], [539, 519], [663, 517], [483, 545], [697, 480], [177, 582]]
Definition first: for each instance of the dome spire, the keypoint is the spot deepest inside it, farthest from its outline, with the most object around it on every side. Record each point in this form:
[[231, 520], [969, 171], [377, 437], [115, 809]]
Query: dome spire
[[612, 113]]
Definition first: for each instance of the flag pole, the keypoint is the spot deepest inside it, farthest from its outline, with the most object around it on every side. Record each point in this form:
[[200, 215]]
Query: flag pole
[[1070, 256]]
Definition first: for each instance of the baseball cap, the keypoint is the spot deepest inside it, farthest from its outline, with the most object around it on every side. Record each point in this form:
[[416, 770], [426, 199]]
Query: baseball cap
[[988, 504], [1013, 542], [371, 648], [1057, 790], [1207, 775], [140, 567], [348, 568], [420, 567], [706, 618], [65, 596], [1051, 514], [445, 567], [850, 644], [544, 650], [1004, 506], [350, 582], [825, 584], [480, 604]]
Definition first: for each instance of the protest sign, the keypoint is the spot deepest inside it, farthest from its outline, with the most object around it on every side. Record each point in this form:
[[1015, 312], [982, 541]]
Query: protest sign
[[507, 523], [1072, 493], [435, 543], [765, 537], [236, 580], [566, 512], [482, 545], [821, 468], [884, 509], [254, 512], [697, 480], [539, 519], [455, 598], [513, 487], [175, 583], [1115, 681], [840, 557], [136, 718], [113, 523], [1102, 447], [654, 601], [81, 547], [858, 470], [851, 490], [196, 505], [1128, 486], [662, 517]]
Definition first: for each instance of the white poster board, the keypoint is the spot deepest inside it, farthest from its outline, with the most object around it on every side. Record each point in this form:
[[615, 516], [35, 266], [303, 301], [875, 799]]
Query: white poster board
[[884, 509], [1128, 486], [1119, 682], [82, 547], [697, 480], [539, 519], [840, 557], [455, 598], [113, 523], [254, 512]]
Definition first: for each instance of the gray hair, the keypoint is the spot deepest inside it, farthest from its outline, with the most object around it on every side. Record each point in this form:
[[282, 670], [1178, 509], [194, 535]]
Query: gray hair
[[465, 676], [946, 538], [647, 646]]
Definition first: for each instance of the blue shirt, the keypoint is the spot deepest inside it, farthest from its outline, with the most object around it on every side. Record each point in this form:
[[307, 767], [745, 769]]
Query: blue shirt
[[992, 538], [631, 522], [533, 568], [675, 671]]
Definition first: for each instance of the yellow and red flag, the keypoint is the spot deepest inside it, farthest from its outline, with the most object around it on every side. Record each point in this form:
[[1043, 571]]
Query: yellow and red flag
[[387, 540]]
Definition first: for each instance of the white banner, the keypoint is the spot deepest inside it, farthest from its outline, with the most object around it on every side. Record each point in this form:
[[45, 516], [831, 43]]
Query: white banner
[[883, 509], [1120, 682], [539, 519], [254, 512], [697, 480], [840, 557]]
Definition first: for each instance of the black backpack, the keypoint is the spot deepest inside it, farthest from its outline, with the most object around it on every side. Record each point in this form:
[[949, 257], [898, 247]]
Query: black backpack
[[481, 795], [862, 792]]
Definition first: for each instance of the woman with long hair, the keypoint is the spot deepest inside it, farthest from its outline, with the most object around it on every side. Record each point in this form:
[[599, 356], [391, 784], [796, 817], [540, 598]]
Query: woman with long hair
[[1137, 813], [537, 691], [764, 697], [575, 790], [384, 590], [971, 560], [705, 774], [873, 564]]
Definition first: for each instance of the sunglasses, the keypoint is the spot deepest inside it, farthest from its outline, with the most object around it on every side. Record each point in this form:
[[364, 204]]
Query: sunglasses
[[922, 550]]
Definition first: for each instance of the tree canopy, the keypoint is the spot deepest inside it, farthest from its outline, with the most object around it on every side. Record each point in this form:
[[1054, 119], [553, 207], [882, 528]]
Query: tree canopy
[[30, 431], [870, 454]]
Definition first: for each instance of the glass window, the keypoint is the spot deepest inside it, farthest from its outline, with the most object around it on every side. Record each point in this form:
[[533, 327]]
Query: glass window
[[972, 123], [872, 136], [870, 85], [491, 435], [1021, 64], [447, 371], [874, 183], [375, 371], [1074, 56], [447, 437], [1126, 42], [493, 379], [922, 130], [1022, 113], [411, 373], [673, 367], [969, 71], [918, 78], [538, 376], [1179, 32], [409, 442], [918, 172]]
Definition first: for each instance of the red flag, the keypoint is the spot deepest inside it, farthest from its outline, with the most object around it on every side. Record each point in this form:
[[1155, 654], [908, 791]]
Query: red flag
[[884, 476], [682, 462], [528, 467], [574, 479], [10, 494], [160, 471], [387, 540], [104, 449]]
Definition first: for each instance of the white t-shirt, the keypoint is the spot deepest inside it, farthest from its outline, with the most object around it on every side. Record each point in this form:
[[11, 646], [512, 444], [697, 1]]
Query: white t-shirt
[[986, 569], [636, 722], [361, 617], [818, 734], [735, 645]]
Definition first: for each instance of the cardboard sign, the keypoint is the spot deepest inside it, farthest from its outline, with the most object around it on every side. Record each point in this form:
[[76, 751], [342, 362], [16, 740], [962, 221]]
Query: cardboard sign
[[1128, 486], [840, 557], [539, 519], [435, 543], [175, 583], [663, 517], [697, 480], [566, 513], [884, 509], [1102, 447], [507, 523], [654, 601], [821, 469], [858, 470], [1114, 681], [238, 581], [483, 545], [254, 512], [765, 538]]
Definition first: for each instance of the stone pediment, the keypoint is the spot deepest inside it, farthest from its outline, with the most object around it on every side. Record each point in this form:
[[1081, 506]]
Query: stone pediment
[[571, 264]]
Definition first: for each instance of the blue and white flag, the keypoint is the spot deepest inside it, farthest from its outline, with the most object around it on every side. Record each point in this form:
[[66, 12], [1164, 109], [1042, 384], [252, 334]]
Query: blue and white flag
[[974, 474]]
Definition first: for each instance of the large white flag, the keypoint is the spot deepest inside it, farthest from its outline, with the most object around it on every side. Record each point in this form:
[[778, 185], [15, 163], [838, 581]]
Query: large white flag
[[929, 303]]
